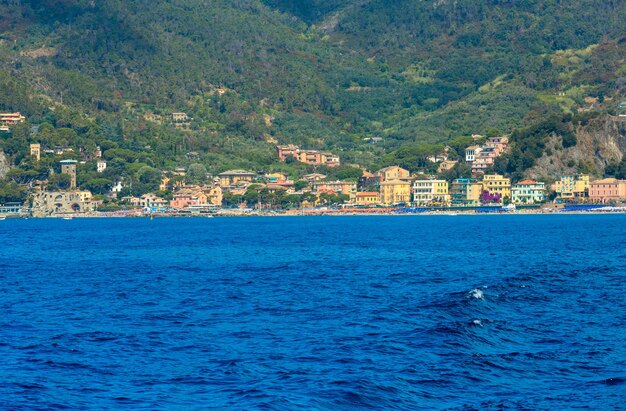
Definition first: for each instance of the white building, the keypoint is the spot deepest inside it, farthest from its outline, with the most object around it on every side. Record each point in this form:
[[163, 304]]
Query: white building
[[101, 165], [428, 192], [117, 187], [471, 152]]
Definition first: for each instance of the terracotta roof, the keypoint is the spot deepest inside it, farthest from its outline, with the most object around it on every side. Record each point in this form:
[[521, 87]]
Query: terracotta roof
[[527, 182], [367, 194]]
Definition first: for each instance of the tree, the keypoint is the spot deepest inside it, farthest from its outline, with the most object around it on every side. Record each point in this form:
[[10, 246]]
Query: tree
[[196, 174], [11, 192], [300, 184], [21, 176], [98, 185], [59, 182], [147, 179]]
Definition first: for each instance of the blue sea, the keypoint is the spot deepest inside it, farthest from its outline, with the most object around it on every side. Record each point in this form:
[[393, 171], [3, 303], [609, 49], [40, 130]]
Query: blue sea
[[323, 313]]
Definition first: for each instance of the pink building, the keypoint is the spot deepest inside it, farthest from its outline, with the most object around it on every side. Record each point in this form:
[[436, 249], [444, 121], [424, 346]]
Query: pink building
[[484, 157], [188, 198], [336, 187], [607, 190]]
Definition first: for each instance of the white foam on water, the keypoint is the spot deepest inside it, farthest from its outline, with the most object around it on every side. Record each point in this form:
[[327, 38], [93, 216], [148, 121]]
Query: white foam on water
[[477, 293]]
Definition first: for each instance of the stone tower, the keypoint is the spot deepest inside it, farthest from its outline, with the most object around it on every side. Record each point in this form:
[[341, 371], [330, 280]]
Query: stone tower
[[69, 167]]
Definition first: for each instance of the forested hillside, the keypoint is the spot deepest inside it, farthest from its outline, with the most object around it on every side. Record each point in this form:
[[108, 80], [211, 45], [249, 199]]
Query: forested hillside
[[321, 74]]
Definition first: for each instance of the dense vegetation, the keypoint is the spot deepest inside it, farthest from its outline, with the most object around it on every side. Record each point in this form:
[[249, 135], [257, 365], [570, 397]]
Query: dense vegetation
[[323, 74]]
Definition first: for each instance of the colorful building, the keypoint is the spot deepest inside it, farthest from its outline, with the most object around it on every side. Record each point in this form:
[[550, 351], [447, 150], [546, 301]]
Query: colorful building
[[465, 192], [483, 157], [572, 187], [335, 187], [496, 184], [101, 165], [446, 165], [232, 177], [11, 119], [528, 192], [427, 192], [286, 151], [395, 192], [367, 198], [150, 202], [313, 157], [188, 197], [314, 177], [393, 173], [471, 152], [35, 151], [607, 190]]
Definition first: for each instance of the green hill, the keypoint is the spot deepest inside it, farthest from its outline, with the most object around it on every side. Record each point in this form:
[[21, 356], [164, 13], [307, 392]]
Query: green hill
[[322, 74]]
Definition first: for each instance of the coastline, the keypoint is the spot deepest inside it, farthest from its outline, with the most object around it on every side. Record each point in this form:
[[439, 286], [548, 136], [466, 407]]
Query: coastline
[[317, 213]]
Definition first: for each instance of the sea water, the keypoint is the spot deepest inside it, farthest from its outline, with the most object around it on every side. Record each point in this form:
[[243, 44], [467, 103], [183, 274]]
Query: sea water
[[407, 312]]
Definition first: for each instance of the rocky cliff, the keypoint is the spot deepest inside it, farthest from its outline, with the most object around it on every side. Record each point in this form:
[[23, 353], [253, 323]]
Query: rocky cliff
[[600, 142], [4, 164]]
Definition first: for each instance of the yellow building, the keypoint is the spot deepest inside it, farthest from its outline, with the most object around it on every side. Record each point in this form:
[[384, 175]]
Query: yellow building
[[575, 186], [35, 151], [427, 192], [393, 173], [446, 165], [465, 192], [497, 184], [394, 192], [232, 177], [164, 182], [368, 198]]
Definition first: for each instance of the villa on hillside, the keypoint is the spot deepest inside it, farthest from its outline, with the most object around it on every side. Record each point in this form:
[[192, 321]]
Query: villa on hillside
[[483, 157], [11, 119], [232, 177], [313, 157]]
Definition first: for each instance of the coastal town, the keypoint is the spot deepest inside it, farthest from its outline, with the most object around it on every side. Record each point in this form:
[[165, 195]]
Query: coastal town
[[392, 189]]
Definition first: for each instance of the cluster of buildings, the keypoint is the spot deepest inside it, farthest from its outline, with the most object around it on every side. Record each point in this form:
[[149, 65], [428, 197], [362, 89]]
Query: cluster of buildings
[[312, 157], [481, 157], [36, 151], [495, 189], [389, 186], [579, 187]]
